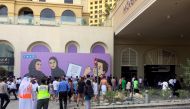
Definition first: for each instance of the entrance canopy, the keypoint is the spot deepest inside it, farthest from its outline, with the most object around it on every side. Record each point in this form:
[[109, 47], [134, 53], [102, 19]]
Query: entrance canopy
[[164, 19]]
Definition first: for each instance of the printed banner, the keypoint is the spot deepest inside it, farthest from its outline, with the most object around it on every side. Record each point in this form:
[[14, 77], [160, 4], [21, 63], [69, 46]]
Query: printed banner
[[40, 64], [6, 61]]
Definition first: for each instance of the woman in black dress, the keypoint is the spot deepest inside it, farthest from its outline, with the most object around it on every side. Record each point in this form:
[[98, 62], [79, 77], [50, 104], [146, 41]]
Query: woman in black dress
[[80, 90]]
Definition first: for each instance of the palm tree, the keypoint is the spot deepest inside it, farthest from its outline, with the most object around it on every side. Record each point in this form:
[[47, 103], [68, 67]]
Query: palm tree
[[108, 9]]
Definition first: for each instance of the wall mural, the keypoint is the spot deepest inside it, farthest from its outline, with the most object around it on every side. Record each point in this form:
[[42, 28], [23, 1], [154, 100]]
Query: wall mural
[[43, 64]]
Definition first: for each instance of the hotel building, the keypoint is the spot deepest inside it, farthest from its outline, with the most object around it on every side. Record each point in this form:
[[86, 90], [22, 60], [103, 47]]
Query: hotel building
[[148, 38], [97, 11], [47, 26]]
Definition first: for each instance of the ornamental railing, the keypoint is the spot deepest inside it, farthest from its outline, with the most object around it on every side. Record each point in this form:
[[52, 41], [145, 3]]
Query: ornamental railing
[[30, 20]]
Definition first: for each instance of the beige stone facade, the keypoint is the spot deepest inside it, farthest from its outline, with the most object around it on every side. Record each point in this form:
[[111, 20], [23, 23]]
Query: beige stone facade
[[36, 7], [24, 26], [22, 38]]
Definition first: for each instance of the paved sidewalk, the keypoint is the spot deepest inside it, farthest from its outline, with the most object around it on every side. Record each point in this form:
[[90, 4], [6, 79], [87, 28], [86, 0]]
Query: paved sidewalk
[[163, 104], [52, 105]]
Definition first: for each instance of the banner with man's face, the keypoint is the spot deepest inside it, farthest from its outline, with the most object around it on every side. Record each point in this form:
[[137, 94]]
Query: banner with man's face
[[64, 64]]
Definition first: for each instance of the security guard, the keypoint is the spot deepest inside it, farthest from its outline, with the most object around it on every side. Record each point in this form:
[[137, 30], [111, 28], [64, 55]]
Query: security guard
[[43, 95]]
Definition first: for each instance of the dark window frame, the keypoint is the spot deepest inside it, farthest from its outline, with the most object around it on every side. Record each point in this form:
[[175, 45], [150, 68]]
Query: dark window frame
[[3, 10]]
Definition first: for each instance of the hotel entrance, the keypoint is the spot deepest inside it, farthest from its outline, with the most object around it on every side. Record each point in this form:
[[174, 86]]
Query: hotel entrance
[[129, 63], [128, 72], [155, 73], [159, 66]]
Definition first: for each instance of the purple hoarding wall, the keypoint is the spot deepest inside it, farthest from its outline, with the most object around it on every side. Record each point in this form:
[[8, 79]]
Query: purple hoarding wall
[[73, 64]]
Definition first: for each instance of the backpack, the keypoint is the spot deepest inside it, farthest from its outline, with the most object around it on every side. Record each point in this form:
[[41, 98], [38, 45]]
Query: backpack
[[90, 91]]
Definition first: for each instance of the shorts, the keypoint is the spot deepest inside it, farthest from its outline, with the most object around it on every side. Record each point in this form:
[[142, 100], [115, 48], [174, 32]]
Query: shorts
[[55, 92], [103, 93], [75, 92]]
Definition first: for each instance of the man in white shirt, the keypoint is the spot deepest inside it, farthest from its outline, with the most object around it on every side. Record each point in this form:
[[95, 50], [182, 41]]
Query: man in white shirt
[[55, 86], [34, 93], [171, 82], [164, 85], [18, 81], [140, 82], [12, 88], [4, 96]]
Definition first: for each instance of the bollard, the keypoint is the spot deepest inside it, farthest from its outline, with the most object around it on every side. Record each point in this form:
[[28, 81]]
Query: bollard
[[146, 97]]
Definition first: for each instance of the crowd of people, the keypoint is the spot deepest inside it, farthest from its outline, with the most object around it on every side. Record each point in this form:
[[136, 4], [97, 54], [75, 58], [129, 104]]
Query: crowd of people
[[36, 94]]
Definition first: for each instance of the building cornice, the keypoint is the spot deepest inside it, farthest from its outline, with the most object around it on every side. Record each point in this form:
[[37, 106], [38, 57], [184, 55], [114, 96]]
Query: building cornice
[[85, 14], [47, 4]]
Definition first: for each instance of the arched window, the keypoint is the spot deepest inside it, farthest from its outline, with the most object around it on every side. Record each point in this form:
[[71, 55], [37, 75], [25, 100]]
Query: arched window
[[129, 57], [3, 10], [47, 14], [68, 1], [25, 16], [98, 49], [68, 16], [39, 48], [7, 59], [160, 57], [26, 12], [72, 47]]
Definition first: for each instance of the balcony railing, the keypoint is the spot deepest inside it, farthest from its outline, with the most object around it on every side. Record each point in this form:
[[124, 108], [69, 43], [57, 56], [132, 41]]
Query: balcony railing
[[25, 20], [28, 20], [4, 19], [47, 21], [75, 2]]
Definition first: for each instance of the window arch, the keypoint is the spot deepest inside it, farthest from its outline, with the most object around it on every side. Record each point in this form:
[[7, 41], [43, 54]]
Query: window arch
[[160, 57], [98, 48], [6, 52], [42, 0], [6, 49], [72, 47], [68, 1], [3, 10], [47, 14], [39, 47], [68, 16], [129, 57], [25, 11]]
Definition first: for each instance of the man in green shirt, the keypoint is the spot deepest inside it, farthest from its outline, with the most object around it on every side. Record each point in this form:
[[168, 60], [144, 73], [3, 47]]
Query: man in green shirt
[[123, 84], [136, 86]]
